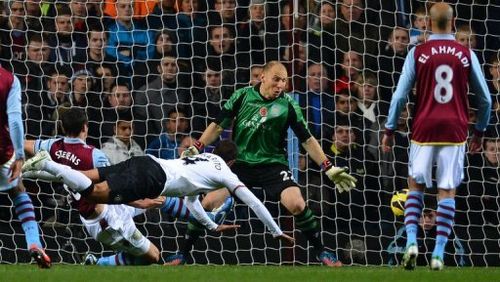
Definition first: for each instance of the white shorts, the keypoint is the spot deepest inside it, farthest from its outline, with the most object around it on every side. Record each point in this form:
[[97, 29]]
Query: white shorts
[[449, 161], [115, 228], [4, 175]]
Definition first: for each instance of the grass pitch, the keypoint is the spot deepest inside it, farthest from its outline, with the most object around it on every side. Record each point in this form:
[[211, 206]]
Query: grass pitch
[[156, 273]]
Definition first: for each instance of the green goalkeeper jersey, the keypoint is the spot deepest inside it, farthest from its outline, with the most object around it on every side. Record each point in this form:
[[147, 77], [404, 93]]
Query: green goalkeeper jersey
[[260, 125]]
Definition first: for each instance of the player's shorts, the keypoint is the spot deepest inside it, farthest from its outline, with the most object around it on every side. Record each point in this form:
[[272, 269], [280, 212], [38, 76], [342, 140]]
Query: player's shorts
[[134, 179], [115, 228], [4, 175], [272, 178], [449, 161]]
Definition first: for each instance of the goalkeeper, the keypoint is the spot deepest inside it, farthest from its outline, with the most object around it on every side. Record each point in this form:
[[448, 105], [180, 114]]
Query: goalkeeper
[[262, 115]]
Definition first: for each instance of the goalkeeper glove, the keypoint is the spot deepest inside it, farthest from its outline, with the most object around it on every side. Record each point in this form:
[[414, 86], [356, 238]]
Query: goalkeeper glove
[[343, 181], [193, 150]]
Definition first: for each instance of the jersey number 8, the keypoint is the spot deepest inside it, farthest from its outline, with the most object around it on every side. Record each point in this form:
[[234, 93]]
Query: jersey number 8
[[443, 91]]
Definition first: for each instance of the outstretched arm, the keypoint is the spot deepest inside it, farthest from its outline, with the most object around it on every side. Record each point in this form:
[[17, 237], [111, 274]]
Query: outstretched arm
[[211, 133], [343, 181], [262, 213], [196, 209]]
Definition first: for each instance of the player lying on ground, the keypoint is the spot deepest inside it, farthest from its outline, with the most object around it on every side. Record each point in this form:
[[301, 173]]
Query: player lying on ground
[[150, 177], [111, 225]]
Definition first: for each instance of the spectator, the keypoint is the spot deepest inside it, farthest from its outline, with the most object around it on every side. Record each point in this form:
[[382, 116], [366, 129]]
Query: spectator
[[82, 83], [129, 41], [191, 28], [106, 75], [163, 15], [223, 13], [167, 144], [13, 37], [355, 33], [318, 103], [40, 109], [31, 71], [391, 62], [62, 40], [253, 34], [322, 36], [255, 73], [494, 87], [480, 194], [121, 146], [288, 26], [116, 104], [418, 30], [352, 65], [207, 101], [221, 55], [427, 229], [351, 210], [93, 56], [394, 165], [467, 37], [147, 71], [155, 100], [347, 112], [367, 94], [140, 8]]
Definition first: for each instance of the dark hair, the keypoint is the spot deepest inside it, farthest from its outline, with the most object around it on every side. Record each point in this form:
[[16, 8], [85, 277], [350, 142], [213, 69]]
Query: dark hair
[[227, 150], [73, 121]]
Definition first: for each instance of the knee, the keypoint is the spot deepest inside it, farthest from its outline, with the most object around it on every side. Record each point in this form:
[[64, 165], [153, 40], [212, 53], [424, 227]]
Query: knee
[[16, 190]]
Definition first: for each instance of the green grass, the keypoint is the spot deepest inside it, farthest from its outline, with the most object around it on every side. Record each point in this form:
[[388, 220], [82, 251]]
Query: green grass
[[63, 273]]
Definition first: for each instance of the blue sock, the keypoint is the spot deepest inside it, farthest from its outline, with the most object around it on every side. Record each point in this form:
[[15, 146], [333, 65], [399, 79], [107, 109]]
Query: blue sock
[[413, 211], [26, 214], [444, 222], [121, 258], [175, 207]]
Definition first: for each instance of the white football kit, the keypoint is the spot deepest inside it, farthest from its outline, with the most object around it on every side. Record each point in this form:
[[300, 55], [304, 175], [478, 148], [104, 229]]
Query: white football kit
[[207, 172]]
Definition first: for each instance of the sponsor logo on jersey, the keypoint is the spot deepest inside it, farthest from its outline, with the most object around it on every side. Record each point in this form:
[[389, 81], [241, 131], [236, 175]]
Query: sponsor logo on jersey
[[263, 112]]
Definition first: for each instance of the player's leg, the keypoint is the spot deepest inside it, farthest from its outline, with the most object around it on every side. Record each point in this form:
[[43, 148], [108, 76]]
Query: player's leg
[[291, 198], [449, 174], [419, 171], [25, 213], [75, 180], [220, 202], [125, 258], [116, 229]]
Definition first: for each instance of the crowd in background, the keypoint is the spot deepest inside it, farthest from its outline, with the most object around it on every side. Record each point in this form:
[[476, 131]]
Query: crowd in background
[[151, 75]]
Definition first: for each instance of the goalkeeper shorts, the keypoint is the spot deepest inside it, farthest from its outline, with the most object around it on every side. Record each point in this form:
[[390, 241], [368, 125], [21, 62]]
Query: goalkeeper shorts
[[272, 178]]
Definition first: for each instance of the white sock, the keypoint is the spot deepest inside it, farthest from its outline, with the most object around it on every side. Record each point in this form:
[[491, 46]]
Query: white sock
[[75, 180]]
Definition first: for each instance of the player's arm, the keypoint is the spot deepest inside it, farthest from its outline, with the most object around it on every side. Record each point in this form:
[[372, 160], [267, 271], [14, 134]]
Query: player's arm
[[478, 85], [480, 88], [400, 97], [16, 129], [224, 120], [29, 147], [343, 181], [196, 209]]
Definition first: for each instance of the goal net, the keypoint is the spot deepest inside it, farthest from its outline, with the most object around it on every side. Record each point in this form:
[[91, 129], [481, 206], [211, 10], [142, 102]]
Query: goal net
[[167, 67]]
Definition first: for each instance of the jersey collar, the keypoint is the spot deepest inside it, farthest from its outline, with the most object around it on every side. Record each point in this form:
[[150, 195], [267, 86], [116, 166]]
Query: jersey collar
[[441, 37], [71, 140]]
